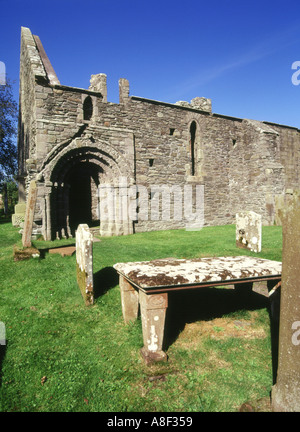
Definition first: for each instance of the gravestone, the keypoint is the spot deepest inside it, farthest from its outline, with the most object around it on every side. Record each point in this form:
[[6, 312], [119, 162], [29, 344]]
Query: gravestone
[[286, 391], [248, 231], [84, 263], [18, 217], [29, 214]]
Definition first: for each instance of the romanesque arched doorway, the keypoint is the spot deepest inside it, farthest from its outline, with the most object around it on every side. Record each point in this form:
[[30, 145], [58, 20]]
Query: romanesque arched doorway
[[76, 178]]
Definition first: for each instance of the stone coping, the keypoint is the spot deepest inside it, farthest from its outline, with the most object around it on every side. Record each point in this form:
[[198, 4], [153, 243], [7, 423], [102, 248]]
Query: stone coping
[[172, 272]]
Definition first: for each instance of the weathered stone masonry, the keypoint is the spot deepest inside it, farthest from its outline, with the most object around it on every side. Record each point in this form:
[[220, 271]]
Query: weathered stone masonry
[[71, 141]]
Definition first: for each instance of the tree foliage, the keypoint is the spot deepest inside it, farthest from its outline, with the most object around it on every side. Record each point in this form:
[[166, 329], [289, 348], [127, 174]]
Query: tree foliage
[[8, 130], [8, 148]]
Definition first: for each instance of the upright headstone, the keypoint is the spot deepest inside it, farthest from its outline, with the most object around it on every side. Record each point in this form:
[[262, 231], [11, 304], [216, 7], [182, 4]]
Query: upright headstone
[[29, 214], [19, 215], [84, 263], [286, 391], [248, 231]]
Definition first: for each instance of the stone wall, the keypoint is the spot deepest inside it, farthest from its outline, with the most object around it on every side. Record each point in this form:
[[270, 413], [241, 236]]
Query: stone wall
[[31, 69], [244, 165]]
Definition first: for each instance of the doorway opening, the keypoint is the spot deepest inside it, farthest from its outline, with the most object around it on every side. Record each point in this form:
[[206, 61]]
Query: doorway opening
[[83, 196]]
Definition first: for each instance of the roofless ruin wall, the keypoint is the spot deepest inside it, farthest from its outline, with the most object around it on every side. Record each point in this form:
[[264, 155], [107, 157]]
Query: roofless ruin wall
[[73, 140]]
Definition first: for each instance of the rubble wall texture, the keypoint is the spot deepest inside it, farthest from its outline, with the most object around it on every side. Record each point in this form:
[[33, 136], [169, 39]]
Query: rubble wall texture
[[243, 164]]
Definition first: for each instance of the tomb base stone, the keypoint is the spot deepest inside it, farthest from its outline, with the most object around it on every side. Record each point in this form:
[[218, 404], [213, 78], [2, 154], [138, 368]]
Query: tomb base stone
[[248, 231]]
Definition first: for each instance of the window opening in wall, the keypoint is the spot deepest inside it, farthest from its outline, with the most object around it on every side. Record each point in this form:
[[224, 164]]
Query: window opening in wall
[[233, 142], [151, 161], [87, 108], [172, 130], [192, 141]]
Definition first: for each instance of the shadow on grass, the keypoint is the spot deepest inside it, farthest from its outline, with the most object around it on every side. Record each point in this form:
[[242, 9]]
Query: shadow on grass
[[205, 305], [104, 280], [210, 303], [274, 312], [5, 219]]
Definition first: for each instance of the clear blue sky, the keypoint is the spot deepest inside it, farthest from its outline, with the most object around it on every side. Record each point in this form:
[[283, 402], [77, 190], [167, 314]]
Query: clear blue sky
[[237, 53]]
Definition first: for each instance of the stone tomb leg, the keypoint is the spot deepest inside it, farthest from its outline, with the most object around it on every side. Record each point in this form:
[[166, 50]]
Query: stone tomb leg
[[153, 312], [129, 300]]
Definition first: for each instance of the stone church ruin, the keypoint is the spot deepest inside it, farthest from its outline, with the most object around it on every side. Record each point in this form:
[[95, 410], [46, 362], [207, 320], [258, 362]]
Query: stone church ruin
[[73, 142]]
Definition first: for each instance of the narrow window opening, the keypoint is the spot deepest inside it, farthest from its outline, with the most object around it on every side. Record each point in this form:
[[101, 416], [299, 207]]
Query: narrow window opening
[[151, 161], [233, 142], [172, 130], [192, 141], [87, 108]]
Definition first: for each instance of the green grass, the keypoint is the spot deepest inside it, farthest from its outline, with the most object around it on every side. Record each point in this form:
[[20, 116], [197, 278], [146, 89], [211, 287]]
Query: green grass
[[63, 356]]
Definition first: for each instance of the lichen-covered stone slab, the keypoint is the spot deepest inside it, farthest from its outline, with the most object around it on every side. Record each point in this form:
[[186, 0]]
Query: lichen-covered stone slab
[[148, 283], [84, 263], [176, 272], [248, 230]]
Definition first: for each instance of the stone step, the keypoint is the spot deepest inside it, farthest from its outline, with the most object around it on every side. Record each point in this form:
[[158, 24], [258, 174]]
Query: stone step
[[63, 251]]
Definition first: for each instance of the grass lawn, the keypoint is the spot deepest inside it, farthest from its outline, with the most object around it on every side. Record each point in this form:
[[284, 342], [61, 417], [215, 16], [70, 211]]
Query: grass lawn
[[63, 356]]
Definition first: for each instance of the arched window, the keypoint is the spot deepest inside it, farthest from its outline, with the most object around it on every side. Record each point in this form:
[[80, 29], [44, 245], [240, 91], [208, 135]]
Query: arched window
[[87, 108], [192, 145]]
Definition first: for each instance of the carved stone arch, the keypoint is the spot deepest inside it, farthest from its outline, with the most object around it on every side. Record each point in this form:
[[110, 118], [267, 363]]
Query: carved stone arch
[[75, 175], [89, 149]]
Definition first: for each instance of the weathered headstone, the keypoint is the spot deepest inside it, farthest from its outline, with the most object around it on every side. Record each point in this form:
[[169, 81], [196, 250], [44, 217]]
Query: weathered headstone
[[29, 214], [248, 230], [18, 217], [286, 391], [84, 263]]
